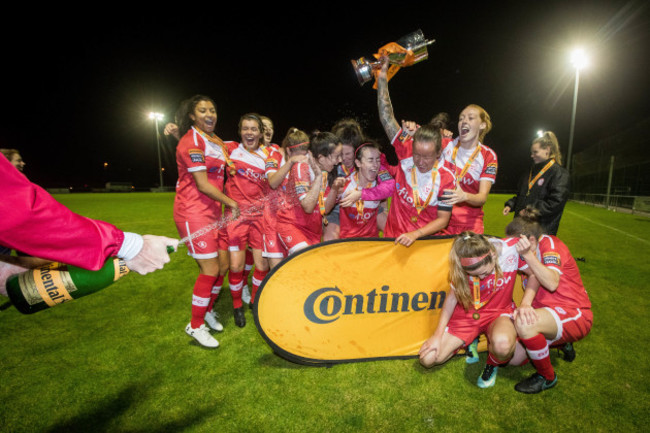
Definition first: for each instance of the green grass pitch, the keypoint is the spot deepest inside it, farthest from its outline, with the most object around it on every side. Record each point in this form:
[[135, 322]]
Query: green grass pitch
[[120, 361]]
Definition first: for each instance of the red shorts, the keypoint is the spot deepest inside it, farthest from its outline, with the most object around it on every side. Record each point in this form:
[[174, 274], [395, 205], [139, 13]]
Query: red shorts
[[292, 238], [222, 241], [201, 247], [573, 324], [454, 229], [245, 232], [465, 327], [273, 248]]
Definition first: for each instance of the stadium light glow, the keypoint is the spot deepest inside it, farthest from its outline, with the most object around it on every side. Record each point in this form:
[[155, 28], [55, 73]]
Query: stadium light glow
[[579, 58]]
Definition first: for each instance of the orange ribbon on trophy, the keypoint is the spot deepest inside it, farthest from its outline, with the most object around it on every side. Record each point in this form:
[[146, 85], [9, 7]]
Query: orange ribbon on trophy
[[389, 49], [406, 51]]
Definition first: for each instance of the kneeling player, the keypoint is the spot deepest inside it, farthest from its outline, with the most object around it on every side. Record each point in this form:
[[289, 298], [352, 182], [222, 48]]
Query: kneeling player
[[482, 276], [556, 314]]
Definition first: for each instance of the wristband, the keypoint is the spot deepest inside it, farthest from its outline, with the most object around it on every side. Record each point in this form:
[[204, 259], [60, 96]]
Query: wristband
[[131, 246]]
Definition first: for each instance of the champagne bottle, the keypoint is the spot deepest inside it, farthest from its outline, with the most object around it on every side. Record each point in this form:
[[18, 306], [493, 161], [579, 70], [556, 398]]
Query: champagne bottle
[[55, 283]]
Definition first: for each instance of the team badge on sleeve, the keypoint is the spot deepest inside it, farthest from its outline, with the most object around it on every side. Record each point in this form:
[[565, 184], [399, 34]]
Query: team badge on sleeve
[[491, 168], [384, 176], [271, 163], [196, 156], [302, 188], [551, 258]]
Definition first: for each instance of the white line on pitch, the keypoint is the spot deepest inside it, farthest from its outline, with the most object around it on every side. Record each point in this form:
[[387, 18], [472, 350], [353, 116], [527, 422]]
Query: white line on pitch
[[610, 227]]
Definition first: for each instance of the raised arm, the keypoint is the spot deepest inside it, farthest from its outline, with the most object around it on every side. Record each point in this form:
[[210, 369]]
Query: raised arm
[[386, 115]]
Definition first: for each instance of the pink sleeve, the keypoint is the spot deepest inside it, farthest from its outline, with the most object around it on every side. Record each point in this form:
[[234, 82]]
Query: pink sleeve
[[35, 223], [384, 188]]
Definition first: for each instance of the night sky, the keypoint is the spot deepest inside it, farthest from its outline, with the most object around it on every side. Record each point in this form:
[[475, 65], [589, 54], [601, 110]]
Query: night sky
[[78, 91]]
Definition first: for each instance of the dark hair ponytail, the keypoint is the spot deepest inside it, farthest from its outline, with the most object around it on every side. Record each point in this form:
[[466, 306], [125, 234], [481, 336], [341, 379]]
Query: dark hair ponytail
[[526, 223]]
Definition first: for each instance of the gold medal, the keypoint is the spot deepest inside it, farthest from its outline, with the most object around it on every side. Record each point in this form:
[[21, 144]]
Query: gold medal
[[414, 219], [419, 207], [476, 316]]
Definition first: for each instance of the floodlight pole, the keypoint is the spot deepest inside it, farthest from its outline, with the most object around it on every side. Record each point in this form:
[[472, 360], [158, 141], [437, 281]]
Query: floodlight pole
[[573, 120], [156, 117]]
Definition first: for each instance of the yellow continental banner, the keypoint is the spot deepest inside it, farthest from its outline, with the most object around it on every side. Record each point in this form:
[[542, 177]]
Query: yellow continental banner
[[355, 300]]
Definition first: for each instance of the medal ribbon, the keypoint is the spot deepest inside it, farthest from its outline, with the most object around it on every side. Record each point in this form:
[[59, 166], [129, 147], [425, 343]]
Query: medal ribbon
[[360, 204], [416, 196], [321, 198], [212, 138], [538, 175], [469, 162], [476, 284]]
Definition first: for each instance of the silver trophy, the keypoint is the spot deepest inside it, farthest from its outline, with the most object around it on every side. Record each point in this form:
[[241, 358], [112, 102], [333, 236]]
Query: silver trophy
[[406, 51]]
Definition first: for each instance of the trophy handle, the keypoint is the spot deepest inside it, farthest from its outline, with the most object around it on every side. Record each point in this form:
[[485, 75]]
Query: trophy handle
[[363, 69]]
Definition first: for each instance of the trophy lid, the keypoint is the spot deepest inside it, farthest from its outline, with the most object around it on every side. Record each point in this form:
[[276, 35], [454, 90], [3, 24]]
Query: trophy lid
[[417, 43], [412, 40]]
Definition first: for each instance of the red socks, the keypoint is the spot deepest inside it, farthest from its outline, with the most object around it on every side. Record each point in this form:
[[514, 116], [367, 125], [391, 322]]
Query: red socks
[[236, 282], [492, 360], [538, 352], [258, 277], [216, 289], [250, 262], [201, 298]]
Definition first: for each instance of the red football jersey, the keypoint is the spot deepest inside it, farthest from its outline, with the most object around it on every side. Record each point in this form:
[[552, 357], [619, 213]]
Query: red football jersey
[[483, 166], [570, 293], [193, 154], [403, 216]]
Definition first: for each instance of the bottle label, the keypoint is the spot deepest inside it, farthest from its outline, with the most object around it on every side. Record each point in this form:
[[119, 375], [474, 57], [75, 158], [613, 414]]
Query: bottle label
[[49, 283], [120, 269]]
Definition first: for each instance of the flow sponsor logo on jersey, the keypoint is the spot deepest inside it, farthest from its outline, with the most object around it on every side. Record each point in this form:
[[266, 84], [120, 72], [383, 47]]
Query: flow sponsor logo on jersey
[[467, 180], [251, 174], [489, 284], [329, 304], [363, 217], [403, 193]]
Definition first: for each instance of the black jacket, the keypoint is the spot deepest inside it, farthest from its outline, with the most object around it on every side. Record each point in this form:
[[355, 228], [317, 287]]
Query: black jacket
[[549, 194]]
